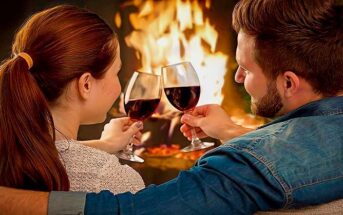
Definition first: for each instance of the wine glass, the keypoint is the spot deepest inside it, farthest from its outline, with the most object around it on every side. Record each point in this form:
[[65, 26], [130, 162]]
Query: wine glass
[[182, 88], [141, 98]]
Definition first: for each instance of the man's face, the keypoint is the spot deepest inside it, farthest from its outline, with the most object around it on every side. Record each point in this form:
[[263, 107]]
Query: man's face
[[265, 98]]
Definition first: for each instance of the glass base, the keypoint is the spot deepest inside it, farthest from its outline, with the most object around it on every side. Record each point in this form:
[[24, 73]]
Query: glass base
[[198, 146], [130, 157]]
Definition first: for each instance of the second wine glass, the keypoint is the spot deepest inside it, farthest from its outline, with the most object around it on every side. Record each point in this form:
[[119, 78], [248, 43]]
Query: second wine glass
[[182, 88], [141, 98]]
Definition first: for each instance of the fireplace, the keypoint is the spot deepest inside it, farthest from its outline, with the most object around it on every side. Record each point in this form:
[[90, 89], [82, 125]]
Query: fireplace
[[156, 33]]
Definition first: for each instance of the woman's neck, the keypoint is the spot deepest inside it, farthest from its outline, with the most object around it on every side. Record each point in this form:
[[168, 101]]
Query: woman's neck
[[66, 122]]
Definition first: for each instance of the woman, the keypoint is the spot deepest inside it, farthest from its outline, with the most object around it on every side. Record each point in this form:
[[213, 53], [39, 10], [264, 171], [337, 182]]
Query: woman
[[63, 74]]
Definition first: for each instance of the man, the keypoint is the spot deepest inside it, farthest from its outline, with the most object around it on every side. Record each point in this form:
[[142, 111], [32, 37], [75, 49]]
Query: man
[[290, 60]]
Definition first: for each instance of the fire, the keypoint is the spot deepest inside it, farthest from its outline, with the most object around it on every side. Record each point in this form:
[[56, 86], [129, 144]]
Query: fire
[[168, 32]]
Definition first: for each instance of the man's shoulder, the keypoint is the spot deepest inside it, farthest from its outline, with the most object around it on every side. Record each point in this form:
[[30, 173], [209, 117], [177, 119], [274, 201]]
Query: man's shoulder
[[298, 131], [298, 152], [258, 137]]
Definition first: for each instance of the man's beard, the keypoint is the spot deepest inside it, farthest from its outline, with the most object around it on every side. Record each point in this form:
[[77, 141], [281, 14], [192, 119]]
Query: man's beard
[[270, 104]]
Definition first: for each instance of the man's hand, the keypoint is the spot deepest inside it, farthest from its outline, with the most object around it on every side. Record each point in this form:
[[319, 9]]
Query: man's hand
[[211, 120]]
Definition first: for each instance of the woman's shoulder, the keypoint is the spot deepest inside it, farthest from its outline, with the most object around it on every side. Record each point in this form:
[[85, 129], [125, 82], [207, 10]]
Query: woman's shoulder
[[92, 170], [73, 152]]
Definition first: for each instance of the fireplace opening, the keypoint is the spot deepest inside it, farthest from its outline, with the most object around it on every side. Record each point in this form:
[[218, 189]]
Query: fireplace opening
[[153, 34]]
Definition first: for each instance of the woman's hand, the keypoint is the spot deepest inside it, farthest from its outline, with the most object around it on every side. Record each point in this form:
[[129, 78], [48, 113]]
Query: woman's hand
[[211, 120], [117, 134]]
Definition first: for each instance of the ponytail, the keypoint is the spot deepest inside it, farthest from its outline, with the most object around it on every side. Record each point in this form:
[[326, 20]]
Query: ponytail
[[29, 158], [60, 44]]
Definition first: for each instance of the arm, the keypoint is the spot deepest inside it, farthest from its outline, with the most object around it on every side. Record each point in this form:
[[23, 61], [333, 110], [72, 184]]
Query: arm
[[19, 202], [223, 182], [211, 120], [27, 202], [116, 135]]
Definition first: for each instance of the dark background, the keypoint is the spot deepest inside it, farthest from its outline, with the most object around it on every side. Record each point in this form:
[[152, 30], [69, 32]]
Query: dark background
[[14, 13]]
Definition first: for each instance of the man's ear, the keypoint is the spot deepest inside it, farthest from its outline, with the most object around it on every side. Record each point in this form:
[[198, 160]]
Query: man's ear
[[290, 83], [85, 84]]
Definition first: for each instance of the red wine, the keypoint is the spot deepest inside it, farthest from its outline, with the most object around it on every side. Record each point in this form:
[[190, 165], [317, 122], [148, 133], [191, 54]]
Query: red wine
[[140, 109], [183, 98]]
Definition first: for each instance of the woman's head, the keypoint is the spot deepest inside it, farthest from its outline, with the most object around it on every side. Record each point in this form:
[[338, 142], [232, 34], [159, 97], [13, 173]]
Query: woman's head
[[65, 43], [95, 96]]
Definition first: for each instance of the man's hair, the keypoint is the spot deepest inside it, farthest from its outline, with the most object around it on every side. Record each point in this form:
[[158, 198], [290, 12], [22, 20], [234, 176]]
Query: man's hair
[[303, 36]]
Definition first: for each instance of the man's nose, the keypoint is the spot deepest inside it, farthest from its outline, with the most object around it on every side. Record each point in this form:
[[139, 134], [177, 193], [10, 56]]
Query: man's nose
[[240, 75]]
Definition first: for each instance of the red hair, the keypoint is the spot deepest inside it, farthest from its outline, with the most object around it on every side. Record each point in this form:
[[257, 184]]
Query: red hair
[[64, 42]]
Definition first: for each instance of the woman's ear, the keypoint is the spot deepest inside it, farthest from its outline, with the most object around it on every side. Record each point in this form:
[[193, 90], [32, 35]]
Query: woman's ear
[[290, 83], [85, 84]]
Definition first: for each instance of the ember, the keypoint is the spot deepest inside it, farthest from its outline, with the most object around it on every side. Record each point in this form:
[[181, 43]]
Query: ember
[[163, 150], [172, 150]]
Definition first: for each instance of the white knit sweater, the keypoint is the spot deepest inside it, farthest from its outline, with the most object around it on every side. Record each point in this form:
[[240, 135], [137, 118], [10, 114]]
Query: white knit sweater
[[92, 170]]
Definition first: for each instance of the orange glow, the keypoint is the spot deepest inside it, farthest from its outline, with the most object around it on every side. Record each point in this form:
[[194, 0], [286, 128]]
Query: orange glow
[[168, 32]]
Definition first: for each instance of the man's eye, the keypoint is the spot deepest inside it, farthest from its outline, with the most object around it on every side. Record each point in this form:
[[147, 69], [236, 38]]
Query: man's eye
[[244, 70]]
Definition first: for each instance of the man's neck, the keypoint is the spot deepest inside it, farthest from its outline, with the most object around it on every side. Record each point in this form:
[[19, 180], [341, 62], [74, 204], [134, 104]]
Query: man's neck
[[299, 101]]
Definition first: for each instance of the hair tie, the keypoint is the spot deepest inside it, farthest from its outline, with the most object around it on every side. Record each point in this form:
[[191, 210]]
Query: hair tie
[[27, 58]]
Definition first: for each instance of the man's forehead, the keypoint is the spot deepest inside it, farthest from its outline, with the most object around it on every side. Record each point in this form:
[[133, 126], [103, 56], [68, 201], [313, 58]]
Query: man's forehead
[[245, 47]]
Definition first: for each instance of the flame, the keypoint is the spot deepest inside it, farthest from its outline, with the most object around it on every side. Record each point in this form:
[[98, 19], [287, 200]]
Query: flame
[[168, 32], [117, 20]]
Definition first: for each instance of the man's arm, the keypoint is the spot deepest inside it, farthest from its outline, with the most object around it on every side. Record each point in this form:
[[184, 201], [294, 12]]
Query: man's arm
[[13, 201], [224, 181]]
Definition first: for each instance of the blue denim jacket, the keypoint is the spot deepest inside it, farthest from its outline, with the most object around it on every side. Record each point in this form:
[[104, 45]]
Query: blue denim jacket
[[293, 161]]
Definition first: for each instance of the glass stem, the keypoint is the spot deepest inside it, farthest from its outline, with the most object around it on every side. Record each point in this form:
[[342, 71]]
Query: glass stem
[[129, 148], [195, 140]]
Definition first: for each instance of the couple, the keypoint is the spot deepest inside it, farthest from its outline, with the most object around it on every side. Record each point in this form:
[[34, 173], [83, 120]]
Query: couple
[[290, 60]]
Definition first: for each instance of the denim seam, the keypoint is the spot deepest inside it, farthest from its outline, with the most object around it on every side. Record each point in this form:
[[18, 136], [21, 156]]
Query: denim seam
[[285, 187], [329, 113], [218, 148], [317, 182]]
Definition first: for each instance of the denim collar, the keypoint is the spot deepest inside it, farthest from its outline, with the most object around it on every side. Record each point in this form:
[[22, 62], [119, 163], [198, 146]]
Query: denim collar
[[326, 106]]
